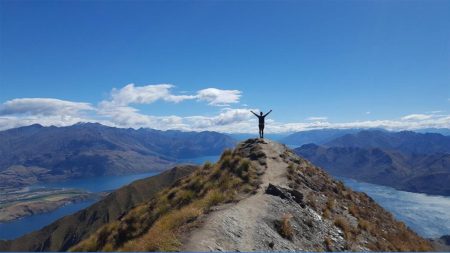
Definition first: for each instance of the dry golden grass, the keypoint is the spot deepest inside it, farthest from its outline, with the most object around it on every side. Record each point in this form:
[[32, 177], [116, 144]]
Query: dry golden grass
[[162, 235], [326, 214], [331, 202], [353, 210], [364, 225], [290, 169], [342, 223], [285, 228], [328, 244]]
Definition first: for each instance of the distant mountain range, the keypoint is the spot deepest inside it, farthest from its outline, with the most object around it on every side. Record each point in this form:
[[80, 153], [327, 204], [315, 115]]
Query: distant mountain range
[[417, 162], [322, 136], [318, 136], [35, 153], [405, 141]]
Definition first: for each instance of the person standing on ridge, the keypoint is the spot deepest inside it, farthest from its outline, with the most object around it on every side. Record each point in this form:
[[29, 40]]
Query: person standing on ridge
[[261, 118]]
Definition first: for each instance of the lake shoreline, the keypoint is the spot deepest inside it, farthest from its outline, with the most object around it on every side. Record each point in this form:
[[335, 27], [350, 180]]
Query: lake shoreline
[[21, 203]]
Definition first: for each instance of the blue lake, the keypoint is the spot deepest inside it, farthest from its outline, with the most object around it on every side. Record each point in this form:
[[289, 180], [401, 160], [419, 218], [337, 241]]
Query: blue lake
[[16, 228], [426, 214], [97, 184]]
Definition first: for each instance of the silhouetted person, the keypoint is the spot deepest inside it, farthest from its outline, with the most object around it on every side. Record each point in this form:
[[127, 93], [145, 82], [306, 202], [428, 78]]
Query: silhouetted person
[[261, 118]]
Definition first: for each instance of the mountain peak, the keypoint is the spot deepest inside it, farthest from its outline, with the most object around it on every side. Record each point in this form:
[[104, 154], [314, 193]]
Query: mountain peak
[[259, 196]]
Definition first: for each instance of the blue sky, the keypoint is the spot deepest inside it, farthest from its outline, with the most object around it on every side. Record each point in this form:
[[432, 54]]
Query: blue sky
[[315, 63]]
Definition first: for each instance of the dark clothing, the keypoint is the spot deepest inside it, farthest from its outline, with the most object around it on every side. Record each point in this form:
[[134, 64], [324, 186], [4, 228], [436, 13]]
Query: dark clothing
[[261, 119]]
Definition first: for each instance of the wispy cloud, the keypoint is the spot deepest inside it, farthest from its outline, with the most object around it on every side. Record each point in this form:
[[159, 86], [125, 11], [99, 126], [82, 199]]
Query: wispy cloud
[[415, 117], [131, 94], [317, 118], [43, 106], [219, 97]]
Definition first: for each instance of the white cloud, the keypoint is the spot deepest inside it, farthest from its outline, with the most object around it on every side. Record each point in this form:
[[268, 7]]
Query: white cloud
[[131, 94], [43, 106], [148, 94], [8, 122], [417, 117], [433, 121], [126, 116], [368, 112], [227, 117], [219, 97], [317, 118], [118, 110]]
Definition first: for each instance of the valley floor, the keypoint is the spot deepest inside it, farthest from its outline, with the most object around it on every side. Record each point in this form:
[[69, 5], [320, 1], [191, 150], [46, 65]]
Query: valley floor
[[16, 203]]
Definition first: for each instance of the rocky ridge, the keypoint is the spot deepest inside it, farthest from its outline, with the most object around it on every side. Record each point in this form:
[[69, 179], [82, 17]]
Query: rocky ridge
[[258, 197]]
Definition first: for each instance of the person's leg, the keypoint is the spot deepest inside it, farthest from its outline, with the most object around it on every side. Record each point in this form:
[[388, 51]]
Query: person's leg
[[262, 132]]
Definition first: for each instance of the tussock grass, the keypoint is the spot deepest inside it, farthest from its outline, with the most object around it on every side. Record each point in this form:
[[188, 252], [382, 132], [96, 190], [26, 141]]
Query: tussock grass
[[328, 244], [331, 202], [290, 169], [353, 210], [364, 225], [326, 214], [342, 223], [162, 235], [285, 228]]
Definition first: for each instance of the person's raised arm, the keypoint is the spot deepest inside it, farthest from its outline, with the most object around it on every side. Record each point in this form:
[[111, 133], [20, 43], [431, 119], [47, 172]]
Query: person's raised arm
[[267, 113], [255, 114]]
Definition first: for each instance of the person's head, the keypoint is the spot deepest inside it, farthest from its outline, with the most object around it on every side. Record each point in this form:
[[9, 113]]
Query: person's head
[[260, 113]]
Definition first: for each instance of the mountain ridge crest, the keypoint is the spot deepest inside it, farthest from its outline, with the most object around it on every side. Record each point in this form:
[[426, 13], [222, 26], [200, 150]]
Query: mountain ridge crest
[[259, 196]]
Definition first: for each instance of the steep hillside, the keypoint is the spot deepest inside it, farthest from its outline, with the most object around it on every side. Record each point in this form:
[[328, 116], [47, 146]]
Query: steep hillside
[[425, 173], [260, 196], [36, 153], [69, 230], [405, 141]]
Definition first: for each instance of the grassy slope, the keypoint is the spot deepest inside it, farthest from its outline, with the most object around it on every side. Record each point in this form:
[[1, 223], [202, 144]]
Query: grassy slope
[[159, 224]]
